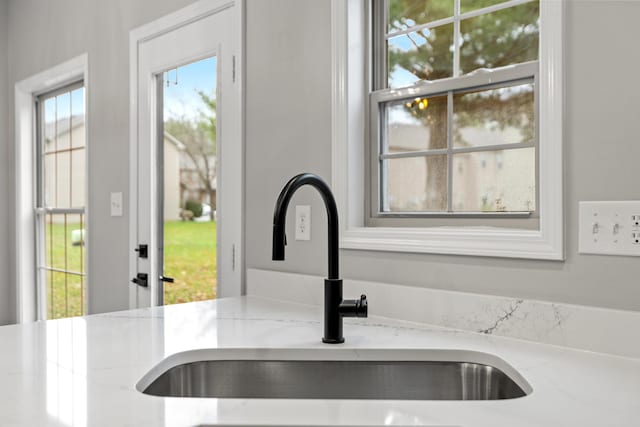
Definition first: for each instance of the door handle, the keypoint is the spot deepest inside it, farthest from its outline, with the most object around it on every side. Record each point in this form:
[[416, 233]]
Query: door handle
[[166, 279], [143, 251], [141, 280]]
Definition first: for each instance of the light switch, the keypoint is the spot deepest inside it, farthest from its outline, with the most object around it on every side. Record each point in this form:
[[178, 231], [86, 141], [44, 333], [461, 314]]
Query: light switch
[[609, 228], [116, 204]]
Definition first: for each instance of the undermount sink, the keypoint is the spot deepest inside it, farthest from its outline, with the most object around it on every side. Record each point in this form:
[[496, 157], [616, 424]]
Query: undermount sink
[[341, 376]]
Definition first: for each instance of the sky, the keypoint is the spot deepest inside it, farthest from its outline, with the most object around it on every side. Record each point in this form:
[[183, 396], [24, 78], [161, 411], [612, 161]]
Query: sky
[[182, 99]]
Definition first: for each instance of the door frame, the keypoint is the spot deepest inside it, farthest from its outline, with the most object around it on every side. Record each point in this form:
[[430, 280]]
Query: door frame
[[182, 17]]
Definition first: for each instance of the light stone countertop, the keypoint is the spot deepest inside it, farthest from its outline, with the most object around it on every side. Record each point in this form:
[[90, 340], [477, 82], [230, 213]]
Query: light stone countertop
[[84, 371]]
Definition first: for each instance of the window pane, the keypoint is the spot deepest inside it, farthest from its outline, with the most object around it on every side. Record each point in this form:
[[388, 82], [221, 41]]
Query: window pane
[[505, 37], [63, 180], [49, 130], [63, 123], [415, 184], [404, 14], [77, 118], [74, 243], [495, 181], [78, 178], [50, 180], [64, 250], [495, 116], [422, 55], [54, 241], [469, 5], [417, 124]]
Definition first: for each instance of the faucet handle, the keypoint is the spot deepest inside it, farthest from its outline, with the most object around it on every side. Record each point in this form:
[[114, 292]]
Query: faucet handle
[[362, 307], [354, 307]]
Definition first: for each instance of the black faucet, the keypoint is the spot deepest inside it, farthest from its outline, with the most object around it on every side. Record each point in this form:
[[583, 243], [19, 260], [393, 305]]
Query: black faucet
[[335, 308]]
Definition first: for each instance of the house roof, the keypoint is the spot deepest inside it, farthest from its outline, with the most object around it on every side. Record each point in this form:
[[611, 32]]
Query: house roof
[[175, 141], [63, 125]]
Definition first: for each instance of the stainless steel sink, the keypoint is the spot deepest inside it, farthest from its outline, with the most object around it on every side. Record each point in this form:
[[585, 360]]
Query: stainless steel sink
[[336, 379]]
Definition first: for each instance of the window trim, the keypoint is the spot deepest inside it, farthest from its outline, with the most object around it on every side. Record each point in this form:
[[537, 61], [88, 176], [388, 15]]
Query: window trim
[[350, 77], [41, 208], [25, 92]]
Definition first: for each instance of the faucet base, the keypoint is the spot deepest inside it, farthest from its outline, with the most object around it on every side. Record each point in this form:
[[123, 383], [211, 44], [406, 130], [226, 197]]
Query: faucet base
[[333, 340]]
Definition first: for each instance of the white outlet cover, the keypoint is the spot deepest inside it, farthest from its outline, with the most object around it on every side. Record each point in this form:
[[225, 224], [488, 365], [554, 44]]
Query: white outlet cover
[[609, 228], [303, 222]]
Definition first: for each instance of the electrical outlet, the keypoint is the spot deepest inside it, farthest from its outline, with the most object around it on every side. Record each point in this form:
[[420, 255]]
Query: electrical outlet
[[609, 228], [303, 222]]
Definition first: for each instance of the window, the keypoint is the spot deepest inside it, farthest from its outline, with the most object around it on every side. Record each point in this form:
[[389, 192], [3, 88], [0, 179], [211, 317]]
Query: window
[[61, 202], [417, 165], [453, 109]]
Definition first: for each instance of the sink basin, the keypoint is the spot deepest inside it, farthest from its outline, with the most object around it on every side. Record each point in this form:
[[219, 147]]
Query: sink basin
[[332, 378]]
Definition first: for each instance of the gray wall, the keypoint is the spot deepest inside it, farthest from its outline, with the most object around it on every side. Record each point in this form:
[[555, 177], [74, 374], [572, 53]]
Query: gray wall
[[288, 131], [5, 285], [45, 33]]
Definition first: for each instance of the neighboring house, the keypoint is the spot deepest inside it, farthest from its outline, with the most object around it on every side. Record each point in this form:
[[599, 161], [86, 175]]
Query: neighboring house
[[65, 163], [182, 180], [480, 180]]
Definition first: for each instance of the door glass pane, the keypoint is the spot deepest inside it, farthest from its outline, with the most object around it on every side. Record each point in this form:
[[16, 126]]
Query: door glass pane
[[417, 124], [190, 181], [495, 116], [415, 184], [495, 181]]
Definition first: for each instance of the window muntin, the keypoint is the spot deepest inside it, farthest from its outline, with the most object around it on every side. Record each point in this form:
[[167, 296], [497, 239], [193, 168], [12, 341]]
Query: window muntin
[[472, 108], [61, 201]]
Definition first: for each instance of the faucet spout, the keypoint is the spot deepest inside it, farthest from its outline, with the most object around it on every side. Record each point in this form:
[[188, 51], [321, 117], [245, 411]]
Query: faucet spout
[[280, 216], [335, 308]]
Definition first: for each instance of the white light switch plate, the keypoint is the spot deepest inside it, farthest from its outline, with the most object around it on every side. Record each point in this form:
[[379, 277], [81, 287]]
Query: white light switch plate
[[303, 222], [116, 204], [609, 228]]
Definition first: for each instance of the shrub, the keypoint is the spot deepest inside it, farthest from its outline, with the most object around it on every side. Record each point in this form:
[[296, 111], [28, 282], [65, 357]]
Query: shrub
[[194, 206]]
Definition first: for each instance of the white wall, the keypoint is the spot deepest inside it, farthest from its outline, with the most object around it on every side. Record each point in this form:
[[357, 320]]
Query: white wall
[[6, 306], [41, 35], [288, 131]]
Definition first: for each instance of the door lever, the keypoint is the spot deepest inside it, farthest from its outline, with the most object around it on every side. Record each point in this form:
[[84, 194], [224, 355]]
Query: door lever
[[166, 279], [141, 280]]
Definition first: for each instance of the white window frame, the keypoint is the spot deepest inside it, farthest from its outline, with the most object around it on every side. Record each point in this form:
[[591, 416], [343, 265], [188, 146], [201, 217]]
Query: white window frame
[[26, 92], [41, 208], [349, 124]]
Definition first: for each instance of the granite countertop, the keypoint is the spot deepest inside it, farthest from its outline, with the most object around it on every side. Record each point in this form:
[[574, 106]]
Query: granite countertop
[[84, 371]]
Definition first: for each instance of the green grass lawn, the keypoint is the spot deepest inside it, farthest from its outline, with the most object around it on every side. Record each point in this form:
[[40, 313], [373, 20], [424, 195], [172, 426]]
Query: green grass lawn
[[65, 292], [190, 258]]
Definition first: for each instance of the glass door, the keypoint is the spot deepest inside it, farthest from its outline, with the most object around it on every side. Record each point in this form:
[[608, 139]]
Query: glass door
[[187, 106]]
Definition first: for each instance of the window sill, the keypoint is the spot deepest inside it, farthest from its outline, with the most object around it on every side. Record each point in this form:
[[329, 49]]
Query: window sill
[[473, 241]]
